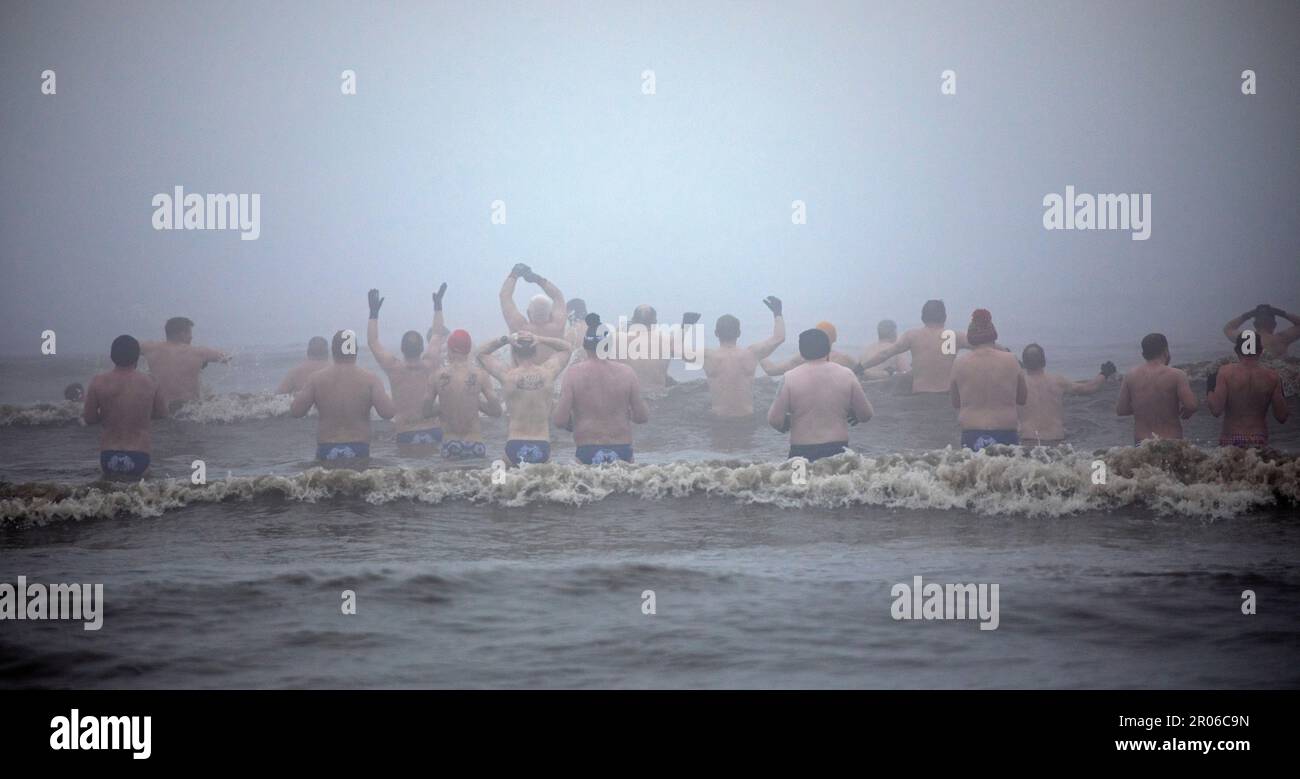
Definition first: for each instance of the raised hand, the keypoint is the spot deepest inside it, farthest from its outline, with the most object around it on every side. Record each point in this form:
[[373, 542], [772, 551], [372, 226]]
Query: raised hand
[[1108, 369], [520, 270], [773, 304], [437, 297], [690, 318], [375, 303]]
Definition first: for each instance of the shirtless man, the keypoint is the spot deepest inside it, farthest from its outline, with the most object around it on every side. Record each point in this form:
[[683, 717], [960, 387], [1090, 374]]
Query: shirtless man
[[547, 315], [1157, 396], [644, 330], [343, 395], [458, 391], [818, 401], [318, 358], [600, 399], [836, 356], [931, 367], [1042, 418], [986, 387], [176, 363], [125, 401], [529, 390], [887, 336], [730, 369], [1242, 394], [409, 377], [1275, 344]]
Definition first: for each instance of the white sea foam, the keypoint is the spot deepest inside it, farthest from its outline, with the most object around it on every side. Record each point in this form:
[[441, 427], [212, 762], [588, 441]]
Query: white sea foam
[[1165, 477]]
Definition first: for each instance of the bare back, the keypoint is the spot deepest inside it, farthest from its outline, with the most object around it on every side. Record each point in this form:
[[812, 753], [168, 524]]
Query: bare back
[[988, 388], [125, 401], [457, 387], [1158, 397], [817, 398], [601, 399], [176, 366], [409, 380], [730, 371], [931, 368], [1042, 418], [1243, 394], [343, 395]]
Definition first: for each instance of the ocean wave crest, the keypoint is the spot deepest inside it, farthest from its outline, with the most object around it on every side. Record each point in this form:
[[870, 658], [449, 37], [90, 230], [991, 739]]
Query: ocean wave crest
[[214, 409], [1166, 477]]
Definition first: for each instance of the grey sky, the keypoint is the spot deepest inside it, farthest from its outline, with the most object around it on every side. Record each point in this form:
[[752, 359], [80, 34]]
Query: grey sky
[[681, 199]]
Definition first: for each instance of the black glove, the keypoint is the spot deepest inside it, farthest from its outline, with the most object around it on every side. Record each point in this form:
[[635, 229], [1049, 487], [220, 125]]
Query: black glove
[[532, 277], [375, 303], [437, 297], [773, 304], [1211, 379], [1108, 369], [690, 318], [520, 269]]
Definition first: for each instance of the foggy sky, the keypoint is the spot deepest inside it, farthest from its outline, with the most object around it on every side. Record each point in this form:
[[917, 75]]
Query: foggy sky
[[681, 198]]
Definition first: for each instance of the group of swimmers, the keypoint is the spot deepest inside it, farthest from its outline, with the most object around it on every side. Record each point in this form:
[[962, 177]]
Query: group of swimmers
[[441, 385]]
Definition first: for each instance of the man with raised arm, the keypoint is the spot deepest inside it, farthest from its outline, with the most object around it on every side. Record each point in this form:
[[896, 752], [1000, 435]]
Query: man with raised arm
[[836, 356], [600, 400], [318, 358], [818, 400], [1275, 344], [1242, 394], [458, 392], [730, 369], [529, 389], [647, 348], [1042, 418], [932, 352], [343, 395], [176, 363], [409, 377], [1157, 396], [125, 401], [987, 387], [547, 314]]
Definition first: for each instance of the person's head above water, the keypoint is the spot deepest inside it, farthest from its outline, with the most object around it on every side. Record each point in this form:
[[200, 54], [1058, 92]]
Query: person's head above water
[[829, 330], [1247, 346], [981, 329], [593, 337], [523, 346], [74, 391], [459, 342], [539, 309], [318, 349], [125, 351], [1033, 358], [727, 329], [1155, 346], [341, 339], [577, 308], [886, 330], [645, 314], [412, 345], [179, 329], [934, 312], [814, 344]]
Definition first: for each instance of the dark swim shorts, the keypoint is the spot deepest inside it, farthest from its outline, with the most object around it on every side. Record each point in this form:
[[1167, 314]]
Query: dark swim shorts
[[336, 452], [120, 464], [603, 454], [811, 452], [524, 451], [978, 439]]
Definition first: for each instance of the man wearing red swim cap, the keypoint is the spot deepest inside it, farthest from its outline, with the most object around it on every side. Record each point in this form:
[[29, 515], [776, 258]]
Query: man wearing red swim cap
[[458, 392]]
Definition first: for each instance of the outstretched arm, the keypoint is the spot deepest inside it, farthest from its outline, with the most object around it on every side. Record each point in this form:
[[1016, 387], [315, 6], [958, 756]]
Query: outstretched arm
[[901, 345], [1087, 387], [764, 349], [780, 369], [380, 354]]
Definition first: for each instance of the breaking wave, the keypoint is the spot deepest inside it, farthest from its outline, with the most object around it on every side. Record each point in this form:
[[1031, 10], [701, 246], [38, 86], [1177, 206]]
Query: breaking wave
[[1165, 477]]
